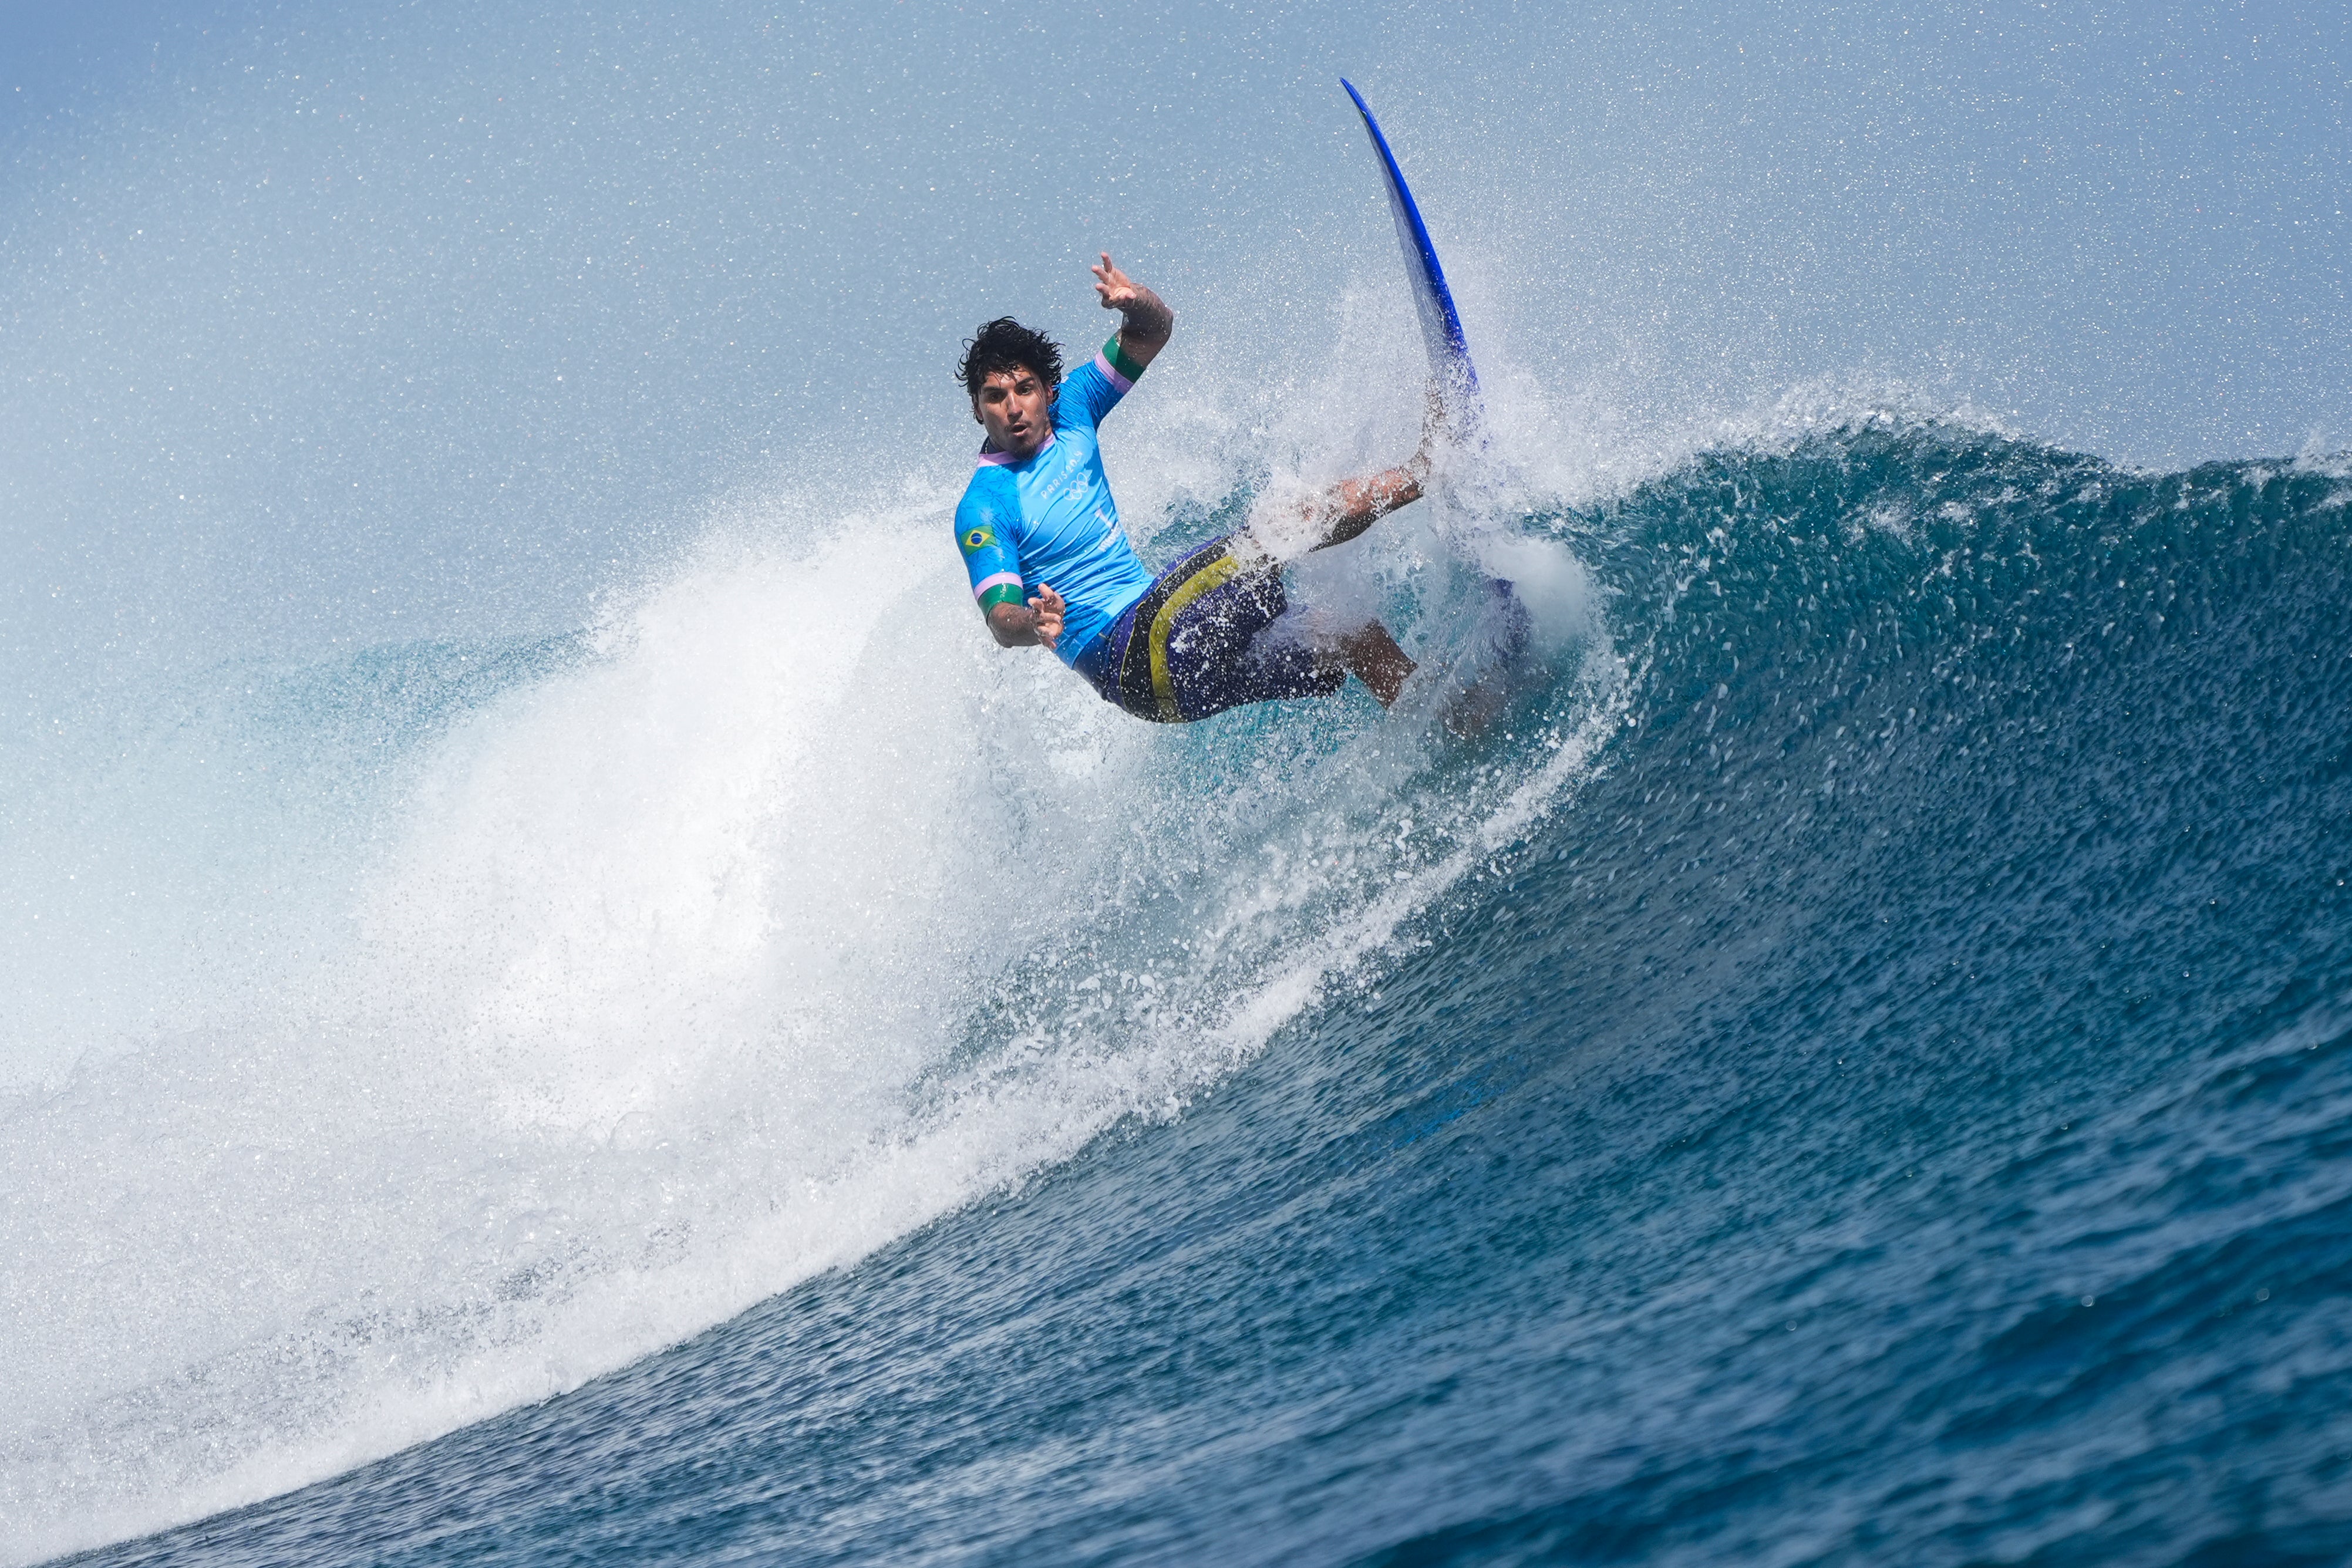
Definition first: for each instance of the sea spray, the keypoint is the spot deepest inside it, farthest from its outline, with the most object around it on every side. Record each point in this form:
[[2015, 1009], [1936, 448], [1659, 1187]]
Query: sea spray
[[773, 917]]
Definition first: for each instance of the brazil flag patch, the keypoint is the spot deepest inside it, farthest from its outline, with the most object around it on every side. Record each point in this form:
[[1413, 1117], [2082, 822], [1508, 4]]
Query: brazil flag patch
[[978, 539]]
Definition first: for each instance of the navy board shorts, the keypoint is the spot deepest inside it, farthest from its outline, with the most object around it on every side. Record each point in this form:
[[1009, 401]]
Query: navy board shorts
[[1195, 644]]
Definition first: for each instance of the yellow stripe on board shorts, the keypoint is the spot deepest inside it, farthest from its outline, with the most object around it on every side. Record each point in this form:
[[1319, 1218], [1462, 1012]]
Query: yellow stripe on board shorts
[[1224, 569]]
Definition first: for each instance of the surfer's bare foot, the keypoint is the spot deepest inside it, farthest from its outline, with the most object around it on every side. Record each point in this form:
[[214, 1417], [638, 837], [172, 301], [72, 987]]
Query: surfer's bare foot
[[1468, 714], [1470, 711], [1374, 658]]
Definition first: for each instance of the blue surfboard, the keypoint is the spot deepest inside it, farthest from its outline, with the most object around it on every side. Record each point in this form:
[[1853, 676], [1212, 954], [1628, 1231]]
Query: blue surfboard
[[1441, 324], [1489, 663]]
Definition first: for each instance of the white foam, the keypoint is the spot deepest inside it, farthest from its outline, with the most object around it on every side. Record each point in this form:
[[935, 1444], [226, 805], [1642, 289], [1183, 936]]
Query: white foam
[[794, 916]]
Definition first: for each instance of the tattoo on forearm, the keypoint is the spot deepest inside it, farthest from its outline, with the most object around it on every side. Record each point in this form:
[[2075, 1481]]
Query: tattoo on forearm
[[1148, 314]]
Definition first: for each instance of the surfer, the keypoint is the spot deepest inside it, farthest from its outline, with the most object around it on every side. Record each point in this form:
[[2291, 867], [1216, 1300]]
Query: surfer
[[1051, 568]]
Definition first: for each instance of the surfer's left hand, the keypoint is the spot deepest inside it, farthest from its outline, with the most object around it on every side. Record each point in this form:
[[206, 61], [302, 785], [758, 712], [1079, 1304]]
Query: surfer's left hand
[[1048, 607]]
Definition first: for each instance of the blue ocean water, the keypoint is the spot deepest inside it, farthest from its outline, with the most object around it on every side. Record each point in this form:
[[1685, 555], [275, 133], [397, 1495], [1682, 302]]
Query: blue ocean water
[[1863, 1074]]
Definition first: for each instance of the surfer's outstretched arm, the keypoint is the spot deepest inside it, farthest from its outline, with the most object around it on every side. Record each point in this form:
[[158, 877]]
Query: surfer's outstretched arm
[[1145, 320]]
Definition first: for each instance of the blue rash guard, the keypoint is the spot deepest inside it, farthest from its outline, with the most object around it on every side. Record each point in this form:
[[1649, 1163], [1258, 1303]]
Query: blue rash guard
[[1051, 520]]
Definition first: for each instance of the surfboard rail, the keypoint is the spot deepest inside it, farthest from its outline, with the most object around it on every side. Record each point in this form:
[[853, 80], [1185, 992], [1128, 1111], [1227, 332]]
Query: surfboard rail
[[1441, 323]]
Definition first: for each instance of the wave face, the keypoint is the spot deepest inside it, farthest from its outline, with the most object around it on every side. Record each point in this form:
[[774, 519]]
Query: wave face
[[1855, 1066]]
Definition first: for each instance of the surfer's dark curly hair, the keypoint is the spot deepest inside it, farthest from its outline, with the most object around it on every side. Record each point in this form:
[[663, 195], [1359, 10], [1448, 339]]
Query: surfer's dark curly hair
[[1005, 344]]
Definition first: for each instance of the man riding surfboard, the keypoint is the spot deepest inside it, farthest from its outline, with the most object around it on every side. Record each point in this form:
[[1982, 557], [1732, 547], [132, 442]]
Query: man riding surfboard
[[1051, 567]]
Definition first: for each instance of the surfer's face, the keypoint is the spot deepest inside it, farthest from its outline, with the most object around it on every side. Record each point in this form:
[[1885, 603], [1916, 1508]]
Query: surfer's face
[[1014, 408]]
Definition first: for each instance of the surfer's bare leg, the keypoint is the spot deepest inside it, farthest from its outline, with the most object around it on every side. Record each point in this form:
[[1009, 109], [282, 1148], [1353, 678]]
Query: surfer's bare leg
[[1373, 657], [1287, 530], [1349, 509], [1352, 505], [1340, 514], [1344, 511]]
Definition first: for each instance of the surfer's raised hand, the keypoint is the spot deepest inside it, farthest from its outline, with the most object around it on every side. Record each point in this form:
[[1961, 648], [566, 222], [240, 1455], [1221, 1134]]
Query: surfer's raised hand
[[1148, 320], [1116, 290]]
